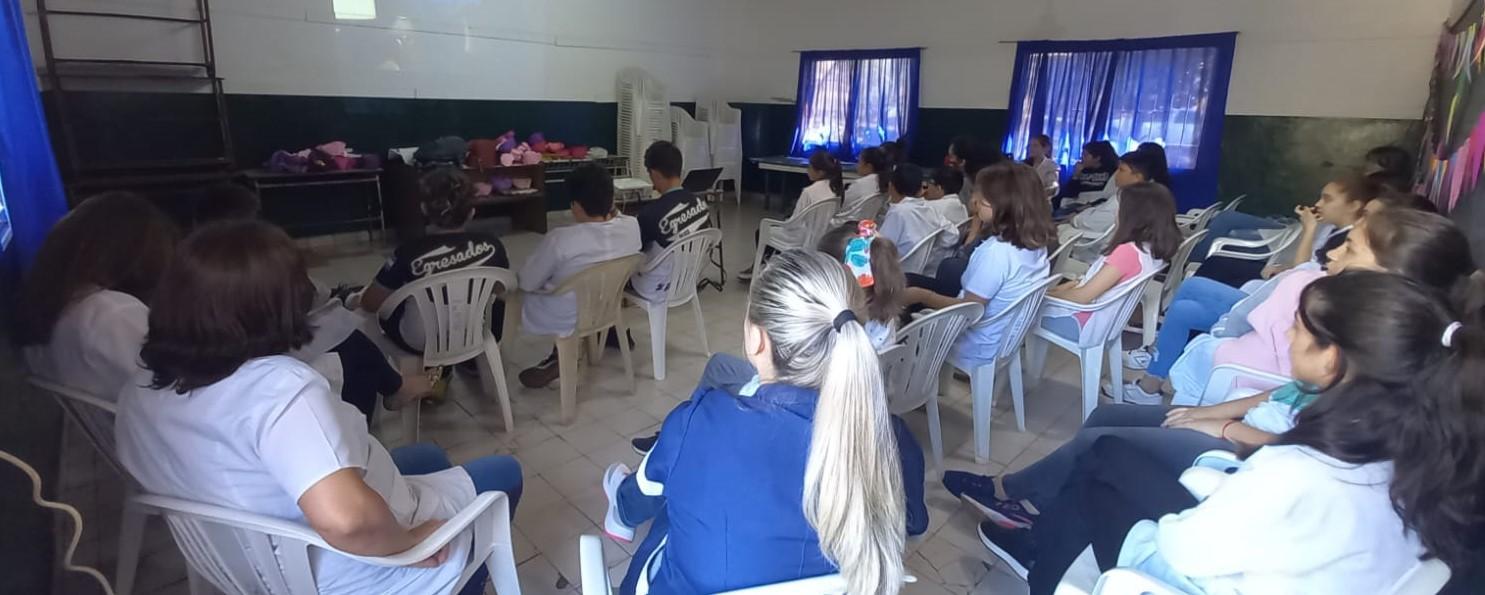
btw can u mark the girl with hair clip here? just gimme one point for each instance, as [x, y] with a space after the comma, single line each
[875, 170]
[875, 264]
[1145, 238]
[1383, 469]
[807, 475]
[1009, 235]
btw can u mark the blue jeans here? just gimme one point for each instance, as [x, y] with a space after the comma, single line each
[1197, 305]
[1230, 224]
[727, 372]
[490, 474]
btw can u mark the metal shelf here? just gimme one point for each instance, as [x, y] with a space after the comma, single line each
[121, 15]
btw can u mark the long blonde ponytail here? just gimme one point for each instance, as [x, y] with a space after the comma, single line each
[853, 494]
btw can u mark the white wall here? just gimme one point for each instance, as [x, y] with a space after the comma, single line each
[465, 49]
[1324, 58]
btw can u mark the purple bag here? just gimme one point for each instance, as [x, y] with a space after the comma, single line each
[285, 162]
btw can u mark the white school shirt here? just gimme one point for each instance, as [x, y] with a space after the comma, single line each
[258, 439]
[1100, 218]
[909, 221]
[1049, 172]
[1001, 273]
[94, 345]
[564, 252]
[951, 208]
[1291, 520]
[813, 194]
[857, 193]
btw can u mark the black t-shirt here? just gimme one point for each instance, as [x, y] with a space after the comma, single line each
[673, 215]
[1088, 180]
[1335, 240]
[433, 254]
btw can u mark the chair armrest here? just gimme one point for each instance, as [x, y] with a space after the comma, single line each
[1221, 460]
[1225, 376]
[1126, 581]
[592, 566]
[1074, 306]
[482, 505]
[1202, 481]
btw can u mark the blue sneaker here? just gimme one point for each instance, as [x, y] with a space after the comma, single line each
[979, 491]
[1012, 546]
[643, 445]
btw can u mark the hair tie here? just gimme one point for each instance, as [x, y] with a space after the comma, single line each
[858, 253]
[841, 319]
[1448, 338]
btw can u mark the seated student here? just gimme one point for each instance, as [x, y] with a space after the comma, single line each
[969, 155]
[878, 269]
[223, 416]
[942, 193]
[1335, 215]
[1039, 157]
[826, 183]
[83, 308]
[599, 234]
[1145, 238]
[1422, 246]
[909, 218]
[1382, 470]
[873, 167]
[674, 215]
[1324, 227]
[1134, 168]
[1159, 165]
[365, 376]
[1013, 224]
[810, 474]
[1093, 175]
[447, 202]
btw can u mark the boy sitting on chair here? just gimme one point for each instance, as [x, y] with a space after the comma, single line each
[676, 214]
[599, 235]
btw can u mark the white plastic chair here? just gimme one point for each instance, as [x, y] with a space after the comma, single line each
[1019, 318]
[1158, 293]
[600, 297]
[913, 370]
[1081, 243]
[1270, 245]
[811, 223]
[595, 579]
[689, 256]
[1102, 335]
[916, 259]
[95, 417]
[1226, 377]
[872, 207]
[244, 553]
[454, 308]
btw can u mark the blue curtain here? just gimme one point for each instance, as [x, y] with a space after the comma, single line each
[852, 100]
[1168, 90]
[31, 195]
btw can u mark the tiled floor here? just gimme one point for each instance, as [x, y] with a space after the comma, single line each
[563, 464]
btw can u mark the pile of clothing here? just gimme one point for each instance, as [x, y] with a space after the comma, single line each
[504, 150]
[331, 156]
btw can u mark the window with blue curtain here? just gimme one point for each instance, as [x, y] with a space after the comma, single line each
[1168, 90]
[4, 219]
[851, 100]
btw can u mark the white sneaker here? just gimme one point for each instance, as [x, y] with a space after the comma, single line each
[1135, 395]
[614, 527]
[1138, 359]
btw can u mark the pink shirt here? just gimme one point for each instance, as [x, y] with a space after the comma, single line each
[1266, 347]
[1126, 259]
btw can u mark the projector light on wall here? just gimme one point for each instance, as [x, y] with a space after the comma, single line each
[354, 10]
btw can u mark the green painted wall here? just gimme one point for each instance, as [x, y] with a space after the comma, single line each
[1279, 161]
[1282, 161]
